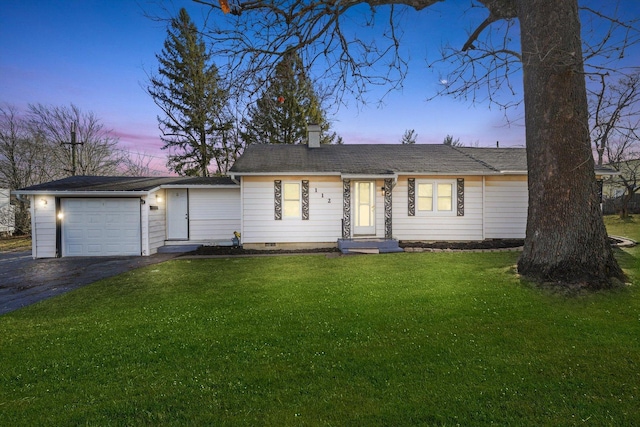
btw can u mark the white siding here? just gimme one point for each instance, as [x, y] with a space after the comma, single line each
[325, 212]
[156, 227]
[506, 201]
[214, 213]
[438, 226]
[43, 226]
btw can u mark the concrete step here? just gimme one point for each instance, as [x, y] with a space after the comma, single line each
[369, 246]
[177, 249]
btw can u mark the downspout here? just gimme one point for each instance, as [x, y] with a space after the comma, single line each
[239, 182]
[58, 228]
[484, 210]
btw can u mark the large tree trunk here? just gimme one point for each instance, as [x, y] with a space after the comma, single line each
[566, 239]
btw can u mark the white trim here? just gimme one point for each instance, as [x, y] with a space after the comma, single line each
[278, 173]
[73, 193]
[434, 197]
[113, 193]
[299, 214]
[484, 207]
[369, 176]
[208, 186]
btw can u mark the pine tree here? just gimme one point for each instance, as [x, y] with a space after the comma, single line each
[409, 137]
[448, 140]
[188, 92]
[285, 107]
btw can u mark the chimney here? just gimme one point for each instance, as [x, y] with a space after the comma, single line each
[313, 135]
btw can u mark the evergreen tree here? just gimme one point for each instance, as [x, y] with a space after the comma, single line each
[448, 140]
[285, 107]
[188, 92]
[409, 137]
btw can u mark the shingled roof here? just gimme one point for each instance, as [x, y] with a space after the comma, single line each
[123, 183]
[378, 159]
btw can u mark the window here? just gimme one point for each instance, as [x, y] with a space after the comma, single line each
[435, 196]
[445, 197]
[425, 197]
[291, 199]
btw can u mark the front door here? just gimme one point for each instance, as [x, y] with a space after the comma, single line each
[365, 208]
[177, 214]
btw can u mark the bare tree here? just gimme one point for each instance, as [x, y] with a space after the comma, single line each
[615, 115]
[138, 164]
[97, 152]
[24, 160]
[623, 154]
[566, 239]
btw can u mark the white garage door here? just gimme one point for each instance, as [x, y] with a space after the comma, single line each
[100, 227]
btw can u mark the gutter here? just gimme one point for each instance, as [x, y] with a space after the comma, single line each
[72, 193]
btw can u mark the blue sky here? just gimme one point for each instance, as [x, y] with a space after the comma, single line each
[96, 53]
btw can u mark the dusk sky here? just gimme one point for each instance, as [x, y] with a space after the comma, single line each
[96, 54]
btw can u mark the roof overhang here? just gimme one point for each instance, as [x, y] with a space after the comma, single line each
[276, 173]
[514, 172]
[232, 186]
[113, 193]
[393, 176]
[81, 193]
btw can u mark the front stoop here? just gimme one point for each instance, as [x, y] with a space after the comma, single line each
[177, 249]
[368, 246]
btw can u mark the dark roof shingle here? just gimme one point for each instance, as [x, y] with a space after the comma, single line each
[123, 183]
[378, 159]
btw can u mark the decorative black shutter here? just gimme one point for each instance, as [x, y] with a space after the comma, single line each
[460, 196]
[305, 200]
[277, 199]
[412, 197]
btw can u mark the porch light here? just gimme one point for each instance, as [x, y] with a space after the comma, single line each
[60, 216]
[158, 198]
[43, 202]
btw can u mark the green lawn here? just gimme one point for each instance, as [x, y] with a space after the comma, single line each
[400, 339]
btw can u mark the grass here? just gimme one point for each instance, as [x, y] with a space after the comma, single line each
[399, 339]
[14, 244]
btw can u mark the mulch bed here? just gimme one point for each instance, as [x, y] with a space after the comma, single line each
[486, 244]
[469, 246]
[493, 244]
[238, 250]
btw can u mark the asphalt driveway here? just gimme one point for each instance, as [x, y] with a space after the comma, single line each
[24, 280]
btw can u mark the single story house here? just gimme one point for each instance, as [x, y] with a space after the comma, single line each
[293, 197]
[101, 216]
[313, 196]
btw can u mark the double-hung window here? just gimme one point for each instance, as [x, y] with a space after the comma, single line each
[291, 200]
[435, 196]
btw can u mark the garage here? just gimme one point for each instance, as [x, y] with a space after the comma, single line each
[100, 226]
[126, 215]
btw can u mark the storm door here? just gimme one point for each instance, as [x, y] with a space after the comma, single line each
[365, 208]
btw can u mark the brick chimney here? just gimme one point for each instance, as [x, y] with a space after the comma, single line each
[313, 135]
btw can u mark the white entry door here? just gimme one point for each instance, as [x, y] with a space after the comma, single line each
[365, 208]
[177, 214]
